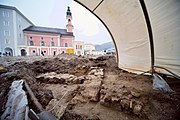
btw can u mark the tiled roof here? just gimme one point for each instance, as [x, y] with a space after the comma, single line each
[48, 30]
[14, 8]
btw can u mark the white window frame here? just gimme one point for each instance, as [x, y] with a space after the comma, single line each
[6, 41]
[6, 23]
[6, 33]
[5, 14]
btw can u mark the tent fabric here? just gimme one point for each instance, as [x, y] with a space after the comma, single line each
[165, 22]
[125, 21]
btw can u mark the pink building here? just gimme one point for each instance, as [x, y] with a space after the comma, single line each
[50, 41]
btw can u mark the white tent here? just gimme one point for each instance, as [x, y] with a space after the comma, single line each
[145, 32]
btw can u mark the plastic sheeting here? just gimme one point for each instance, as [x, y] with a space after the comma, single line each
[126, 22]
[160, 84]
[16, 106]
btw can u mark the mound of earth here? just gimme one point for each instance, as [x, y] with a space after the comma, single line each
[79, 88]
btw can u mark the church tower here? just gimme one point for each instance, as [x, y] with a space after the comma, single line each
[69, 26]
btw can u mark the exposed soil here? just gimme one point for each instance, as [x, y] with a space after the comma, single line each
[79, 88]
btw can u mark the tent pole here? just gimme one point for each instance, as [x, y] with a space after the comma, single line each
[148, 23]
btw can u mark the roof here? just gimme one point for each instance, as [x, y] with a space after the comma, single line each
[14, 8]
[48, 30]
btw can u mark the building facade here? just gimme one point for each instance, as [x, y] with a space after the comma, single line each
[12, 23]
[88, 48]
[79, 48]
[48, 41]
[20, 37]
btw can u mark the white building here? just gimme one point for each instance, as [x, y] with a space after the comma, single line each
[12, 23]
[78, 47]
[88, 48]
[96, 53]
[110, 51]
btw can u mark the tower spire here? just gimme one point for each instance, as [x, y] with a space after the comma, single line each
[69, 25]
[68, 11]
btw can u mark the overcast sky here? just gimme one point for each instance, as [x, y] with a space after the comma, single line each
[52, 13]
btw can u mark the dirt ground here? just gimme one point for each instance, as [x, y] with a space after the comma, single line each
[85, 88]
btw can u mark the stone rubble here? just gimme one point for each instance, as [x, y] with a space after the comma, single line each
[96, 89]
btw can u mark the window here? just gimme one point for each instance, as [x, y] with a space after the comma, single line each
[6, 33]
[52, 43]
[30, 38]
[19, 26]
[6, 23]
[42, 38]
[5, 14]
[42, 43]
[31, 43]
[79, 46]
[7, 41]
[66, 45]
[33, 51]
[44, 51]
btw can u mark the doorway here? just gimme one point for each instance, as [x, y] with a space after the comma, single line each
[23, 52]
[8, 52]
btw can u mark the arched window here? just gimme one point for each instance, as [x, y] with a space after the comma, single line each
[52, 43]
[66, 45]
[42, 43]
[31, 43]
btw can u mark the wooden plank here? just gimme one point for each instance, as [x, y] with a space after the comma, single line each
[32, 96]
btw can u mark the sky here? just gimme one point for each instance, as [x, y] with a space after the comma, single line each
[52, 13]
